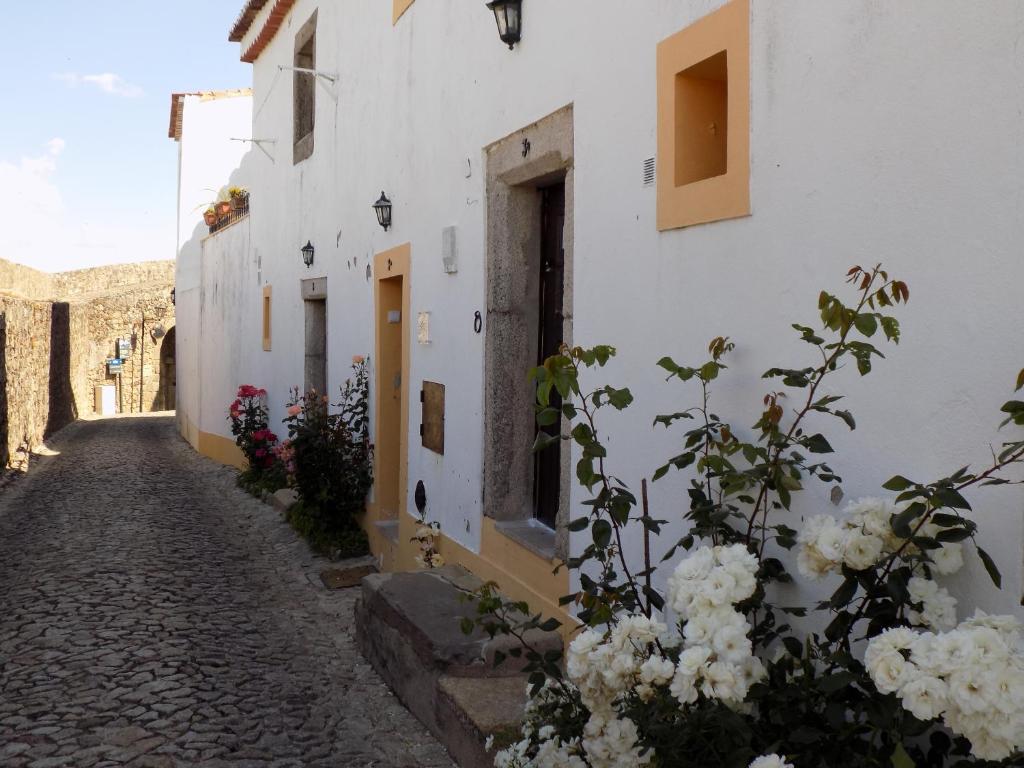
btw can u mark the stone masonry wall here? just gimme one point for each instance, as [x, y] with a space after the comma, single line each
[56, 334]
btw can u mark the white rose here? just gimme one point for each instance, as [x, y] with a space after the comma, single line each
[695, 567]
[925, 697]
[737, 555]
[889, 670]
[971, 693]
[719, 587]
[770, 761]
[948, 560]
[722, 681]
[657, 670]
[861, 551]
[831, 541]
[699, 630]
[684, 687]
[730, 643]
[811, 564]
[693, 661]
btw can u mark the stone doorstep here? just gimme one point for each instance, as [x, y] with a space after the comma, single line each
[348, 573]
[284, 499]
[407, 627]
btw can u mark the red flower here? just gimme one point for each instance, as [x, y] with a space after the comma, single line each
[249, 391]
[260, 435]
[260, 453]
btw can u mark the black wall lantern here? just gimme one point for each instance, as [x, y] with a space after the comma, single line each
[307, 254]
[383, 209]
[509, 15]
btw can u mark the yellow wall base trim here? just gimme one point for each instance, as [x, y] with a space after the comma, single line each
[212, 446]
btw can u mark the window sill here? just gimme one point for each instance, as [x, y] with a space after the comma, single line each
[532, 535]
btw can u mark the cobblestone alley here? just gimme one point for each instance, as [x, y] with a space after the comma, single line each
[153, 615]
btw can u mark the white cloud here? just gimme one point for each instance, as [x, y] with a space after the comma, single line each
[107, 82]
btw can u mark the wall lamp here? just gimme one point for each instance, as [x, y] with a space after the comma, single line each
[383, 209]
[307, 254]
[509, 15]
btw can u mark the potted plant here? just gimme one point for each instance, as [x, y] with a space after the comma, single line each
[239, 197]
[210, 216]
[223, 208]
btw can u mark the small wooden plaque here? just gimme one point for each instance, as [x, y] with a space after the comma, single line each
[432, 424]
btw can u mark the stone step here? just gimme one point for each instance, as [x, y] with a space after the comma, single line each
[407, 626]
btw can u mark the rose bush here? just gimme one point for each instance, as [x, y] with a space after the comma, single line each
[249, 424]
[711, 672]
[329, 456]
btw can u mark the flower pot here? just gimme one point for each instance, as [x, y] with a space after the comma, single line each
[239, 202]
[210, 217]
[223, 208]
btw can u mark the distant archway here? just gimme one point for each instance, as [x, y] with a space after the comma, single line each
[167, 394]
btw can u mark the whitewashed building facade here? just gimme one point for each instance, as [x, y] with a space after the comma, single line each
[688, 169]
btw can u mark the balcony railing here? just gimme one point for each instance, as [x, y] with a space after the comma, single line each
[237, 212]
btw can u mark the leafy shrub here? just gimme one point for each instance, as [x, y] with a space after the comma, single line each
[249, 424]
[330, 458]
[711, 672]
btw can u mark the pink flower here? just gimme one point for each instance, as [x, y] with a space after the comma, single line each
[295, 410]
[358, 359]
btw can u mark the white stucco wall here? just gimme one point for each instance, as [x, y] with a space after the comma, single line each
[879, 132]
[207, 160]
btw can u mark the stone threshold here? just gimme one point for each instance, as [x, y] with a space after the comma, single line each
[408, 628]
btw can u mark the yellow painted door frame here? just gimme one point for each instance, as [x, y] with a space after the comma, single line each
[391, 459]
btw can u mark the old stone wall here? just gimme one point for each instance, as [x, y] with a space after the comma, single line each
[56, 335]
[100, 280]
[25, 282]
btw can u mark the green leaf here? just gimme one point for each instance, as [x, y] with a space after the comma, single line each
[900, 758]
[950, 497]
[900, 523]
[817, 444]
[897, 483]
[990, 567]
[953, 535]
[1020, 380]
[836, 681]
[866, 324]
[848, 418]
[601, 530]
[579, 524]
[844, 594]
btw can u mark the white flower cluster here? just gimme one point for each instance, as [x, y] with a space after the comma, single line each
[426, 535]
[717, 658]
[609, 741]
[938, 607]
[606, 668]
[770, 761]
[971, 677]
[861, 539]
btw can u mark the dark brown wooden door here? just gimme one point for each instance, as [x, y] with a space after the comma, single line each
[548, 463]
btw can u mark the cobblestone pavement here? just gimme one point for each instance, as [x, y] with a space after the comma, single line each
[153, 615]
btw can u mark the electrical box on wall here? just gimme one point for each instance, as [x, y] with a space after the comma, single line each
[449, 250]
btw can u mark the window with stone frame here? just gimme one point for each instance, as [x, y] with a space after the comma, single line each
[304, 90]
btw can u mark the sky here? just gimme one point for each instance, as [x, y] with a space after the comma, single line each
[88, 175]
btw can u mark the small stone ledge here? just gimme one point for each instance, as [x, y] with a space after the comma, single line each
[284, 499]
[533, 535]
[407, 627]
[348, 573]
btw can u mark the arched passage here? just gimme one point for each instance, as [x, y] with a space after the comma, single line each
[166, 395]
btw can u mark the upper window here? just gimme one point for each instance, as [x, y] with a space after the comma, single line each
[304, 90]
[704, 120]
[398, 7]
